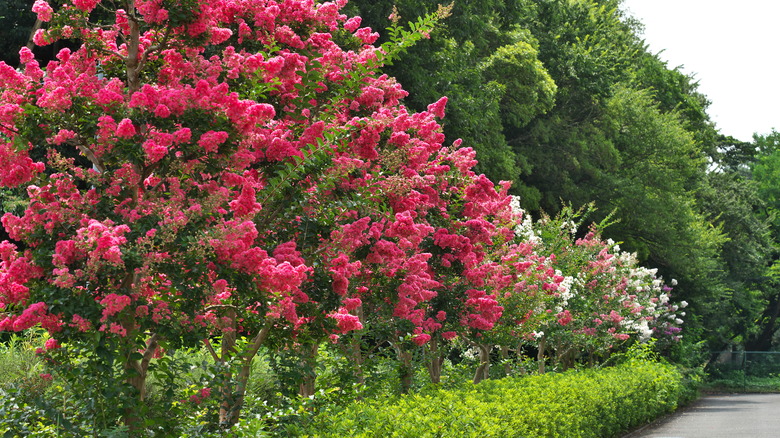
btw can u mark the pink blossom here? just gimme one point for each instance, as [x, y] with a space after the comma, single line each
[43, 9]
[449, 335]
[118, 329]
[41, 38]
[154, 150]
[65, 253]
[345, 321]
[34, 314]
[246, 203]
[51, 344]
[202, 394]
[421, 339]
[351, 304]
[352, 24]
[80, 323]
[220, 35]
[62, 136]
[564, 317]
[366, 36]
[437, 108]
[85, 5]
[162, 111]
[614, 317]
[16, 167]
[288, 252]
[114, 304]
[211, 140]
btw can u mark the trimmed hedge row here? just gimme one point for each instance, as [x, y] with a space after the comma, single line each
[579, 403]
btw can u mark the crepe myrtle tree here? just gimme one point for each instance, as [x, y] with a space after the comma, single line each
[437, 256]
[187, 175]
[601, 297]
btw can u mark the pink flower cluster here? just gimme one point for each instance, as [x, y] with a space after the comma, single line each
[233, 189]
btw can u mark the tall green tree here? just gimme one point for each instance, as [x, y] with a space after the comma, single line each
[624, 130]
[731, 201]
[16, 22]
[484, 62]
[762, 158]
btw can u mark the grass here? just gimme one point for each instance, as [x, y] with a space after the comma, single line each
[742, 383]
[18, 361]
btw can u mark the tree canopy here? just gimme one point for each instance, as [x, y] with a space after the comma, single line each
[608, 122]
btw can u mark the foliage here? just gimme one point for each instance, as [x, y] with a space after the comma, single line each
[239, 179]
[487, 66]
[604, 296]
[587, 403]
[18, 359]
[16, 20]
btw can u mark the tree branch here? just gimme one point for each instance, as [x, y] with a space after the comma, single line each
[38, 24]
[97, 162]
[214, 354]
[151, 347]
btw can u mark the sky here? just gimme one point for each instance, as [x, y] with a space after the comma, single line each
[731, 47]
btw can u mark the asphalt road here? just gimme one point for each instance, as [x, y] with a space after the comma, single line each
[722, 415]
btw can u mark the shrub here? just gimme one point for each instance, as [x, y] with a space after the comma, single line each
[577, 403]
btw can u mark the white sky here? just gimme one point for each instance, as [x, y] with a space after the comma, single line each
[731, 47]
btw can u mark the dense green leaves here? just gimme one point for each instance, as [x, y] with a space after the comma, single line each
[593, 403]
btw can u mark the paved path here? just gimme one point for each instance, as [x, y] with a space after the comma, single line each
[723, 415]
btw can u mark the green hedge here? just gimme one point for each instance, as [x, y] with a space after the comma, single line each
[580, 403]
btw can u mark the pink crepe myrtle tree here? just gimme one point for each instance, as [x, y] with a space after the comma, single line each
[426, 253]
[188, 170]
[468, 222]
[526, 303]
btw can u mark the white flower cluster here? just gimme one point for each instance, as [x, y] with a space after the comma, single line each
[571, 226]
[641, 327]
[627, 258]
[471, 354]
[566, 288]
[524, 230]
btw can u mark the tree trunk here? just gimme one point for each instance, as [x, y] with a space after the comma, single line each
[768, 324]
[356, 345]
[38, 25]
[136, 371]
[227, 349]
[483, 370]
[505, 359]
[520, 355]
[566, 358]
[356, 353]
[540, 354]
[132, 61]
[435, 361]
[235, 390]
[308, 370]
[405, 368]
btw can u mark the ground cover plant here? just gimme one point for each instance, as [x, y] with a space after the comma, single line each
[197, 183]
